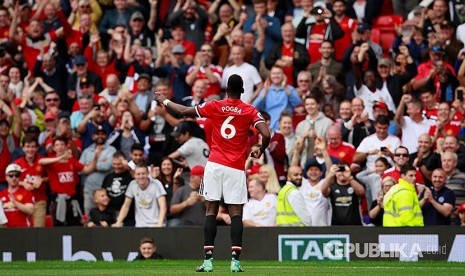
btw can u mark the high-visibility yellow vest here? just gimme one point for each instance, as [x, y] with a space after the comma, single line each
[401, 206]
[285, 215]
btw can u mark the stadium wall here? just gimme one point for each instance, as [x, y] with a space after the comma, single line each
[316, 243]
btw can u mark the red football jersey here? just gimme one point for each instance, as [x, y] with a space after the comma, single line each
[212, 88]
[63, 177]
[15, 217]
[32, 172]
[344, 152]
[231, 120]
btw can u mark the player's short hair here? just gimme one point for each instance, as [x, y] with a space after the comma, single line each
[235, 85]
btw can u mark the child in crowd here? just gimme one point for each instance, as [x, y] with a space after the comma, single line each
[461, 211]
[101, 215]
[148, 250]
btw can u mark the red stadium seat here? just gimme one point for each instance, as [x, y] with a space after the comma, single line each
[387, 8]
[384, 31]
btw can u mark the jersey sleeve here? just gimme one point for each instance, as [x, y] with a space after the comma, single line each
[205, 110]
[257, 118]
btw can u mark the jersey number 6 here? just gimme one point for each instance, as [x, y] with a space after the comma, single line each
[227, 127]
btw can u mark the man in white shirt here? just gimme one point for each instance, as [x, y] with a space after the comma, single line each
[317, 204]
[376, 145]
[413, 125]
[260, 210]
[248, 72]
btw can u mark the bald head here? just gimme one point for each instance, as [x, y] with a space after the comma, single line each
[334, 136]
[294, 175]
[113, 84]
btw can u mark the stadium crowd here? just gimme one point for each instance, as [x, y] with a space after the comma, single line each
[366, 130]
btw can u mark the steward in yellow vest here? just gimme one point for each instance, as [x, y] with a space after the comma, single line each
[401, 205]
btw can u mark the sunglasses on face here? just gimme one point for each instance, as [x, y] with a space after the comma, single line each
[13, 175]
[52, 100]
[401, 155]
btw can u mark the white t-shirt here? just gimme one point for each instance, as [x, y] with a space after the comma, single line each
[250, 77]
[369, 98]
[318, 205]
[196, 152]
[411, 131]
[372, 142]
[146, 202]
[262, 212]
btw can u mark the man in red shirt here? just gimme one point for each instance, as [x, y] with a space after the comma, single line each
[444, 125]
[32, 179]
[348, 26]
[338, 148]
[63, 170]
[401, 157]
[17, 201]
[224, 173]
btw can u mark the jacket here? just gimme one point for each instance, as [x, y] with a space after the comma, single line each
[401, 206]
[285, 215]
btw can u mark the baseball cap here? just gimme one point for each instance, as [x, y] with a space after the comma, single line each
[181, 128]
[461, 207]
[137, 15]
[316, 11]
[49, 116]
[437, 49]
[235, 83]
[384, 62]
[361, 28]
[80, 60]
[380, 105]
[13, 168]
[197, 171]
[312, 162]
[178, 49]
[144, 76]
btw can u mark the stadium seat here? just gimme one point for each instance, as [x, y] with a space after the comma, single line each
[387, 8]
[384, 31]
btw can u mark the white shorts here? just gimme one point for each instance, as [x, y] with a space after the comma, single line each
[223, 182]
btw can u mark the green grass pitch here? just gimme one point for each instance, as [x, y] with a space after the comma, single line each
[187, 267]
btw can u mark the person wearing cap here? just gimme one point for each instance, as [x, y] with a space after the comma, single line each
[192, 18]
[171, 64]
[317, 204]
[251, 78]
[317, 25]
[144, 96]
[438, 202]
[461, 214]
[225, 171]
[140, 30]
[449, 41]
[194, 150]
[18, 203]
[81, 73]
[365, 85]
[204, 69]
[291, 210]
[344, 192]
[364, 35]
[186, 201]
[260, 210]
[413, 125]
[33, 178]
[428, 71]
[104, 153]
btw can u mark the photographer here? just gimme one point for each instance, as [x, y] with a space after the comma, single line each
[344, 192]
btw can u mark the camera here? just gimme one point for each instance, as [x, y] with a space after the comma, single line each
[383, 148]
[460, 94]
[342, 168]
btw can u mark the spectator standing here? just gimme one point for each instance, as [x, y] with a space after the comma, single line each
[377, 208]
[437, 203]
[149, 200]
[186, 201]
[401, 206]
[116, 184]
[17, 202]
[344, 192]
[260, 210]
[291, 209]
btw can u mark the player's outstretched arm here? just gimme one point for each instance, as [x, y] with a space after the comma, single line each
[177, 108]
